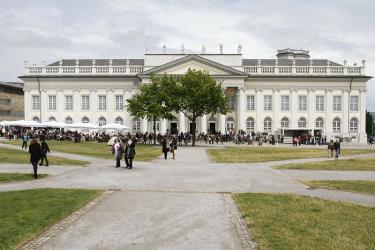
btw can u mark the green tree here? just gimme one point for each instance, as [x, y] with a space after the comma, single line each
[369, 123]
[198, 94]
[153, 101]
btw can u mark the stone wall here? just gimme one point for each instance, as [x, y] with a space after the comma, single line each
[11, 103]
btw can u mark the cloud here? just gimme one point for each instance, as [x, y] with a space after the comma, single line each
[52, 29]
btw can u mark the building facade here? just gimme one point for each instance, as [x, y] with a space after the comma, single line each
[11, 101]
[291, 91]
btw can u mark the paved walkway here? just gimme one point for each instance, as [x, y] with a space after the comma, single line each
[173, 204]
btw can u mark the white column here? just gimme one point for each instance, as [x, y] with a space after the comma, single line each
[27, 105]
[181, 122]
[310, 108]
[127, 117]
[276, 110]
[43, 106]
[328, 111]
[293, 109]
[110, 106]
[204, 124]
[241, 109]
[259, 111]
[362, 121]
[60, 103]
[93, 106]
[345, 110]
[222, 124]
[144, 125]
[163, 126]
[76, 105]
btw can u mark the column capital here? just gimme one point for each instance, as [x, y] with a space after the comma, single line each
[93, 90]
[362, 90]
[60, 91]
[276, 90]
[76, 90]
[258, 90]
[293, 90]
[311, 90]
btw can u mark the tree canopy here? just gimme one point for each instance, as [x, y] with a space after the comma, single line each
[194, 93]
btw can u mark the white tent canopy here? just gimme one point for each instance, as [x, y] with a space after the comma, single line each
[115, 126]
[82, 125]
[54, 124]
[23, 123]
[4, 123]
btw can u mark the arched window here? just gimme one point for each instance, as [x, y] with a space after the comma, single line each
[119, 120]
[52, 119]
[353, 125]
[85, 120]
[68, 120]
[136, 124]
[336, 125]
[319, 123]
[230, 123]
[285, 123]
[267, 125]
[36, 119]
[250, 125]
[102, 121]
[302, 122]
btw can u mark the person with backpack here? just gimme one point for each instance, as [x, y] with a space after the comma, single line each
[25, 139]
[44, 148]
[336, 146]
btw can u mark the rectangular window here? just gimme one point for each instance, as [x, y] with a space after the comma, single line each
[119, 102]
[85, 102]
[354, 100]
[52, 102]
[5, 101]
[285, 102]
[35, 102]
[230, 102]
[268, 102]
[69, 102]
[336, 103]
[250, 102]
[302, 103]
[102, 102]
[319, 103]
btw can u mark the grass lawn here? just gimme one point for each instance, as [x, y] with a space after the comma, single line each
[298, 222]
[95, 149]
[24, 214]
[23, 157]
[14, 177]
[261, 154]
[366, 187]
[367, 164]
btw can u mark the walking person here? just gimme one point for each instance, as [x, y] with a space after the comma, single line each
[164, 148]
[129, 153]
[173, 147]
[25, 139]
[336, 146]
[44, 147]
[35, 154]
[330, 149]
[117, 150]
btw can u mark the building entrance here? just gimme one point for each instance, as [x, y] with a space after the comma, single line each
[212, 128]
[174, 128]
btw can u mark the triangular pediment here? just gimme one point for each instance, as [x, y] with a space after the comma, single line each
[194, 62]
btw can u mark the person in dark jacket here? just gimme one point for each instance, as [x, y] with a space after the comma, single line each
[35, 154]
[44, 147]
[173, 147]
[164, 148]
[129, 153]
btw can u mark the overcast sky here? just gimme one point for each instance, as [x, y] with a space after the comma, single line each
[54, 29]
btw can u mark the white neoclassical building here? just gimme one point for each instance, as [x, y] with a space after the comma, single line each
[290, 92]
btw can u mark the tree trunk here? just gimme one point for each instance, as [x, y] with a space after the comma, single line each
[194, 129]
[154, 130]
